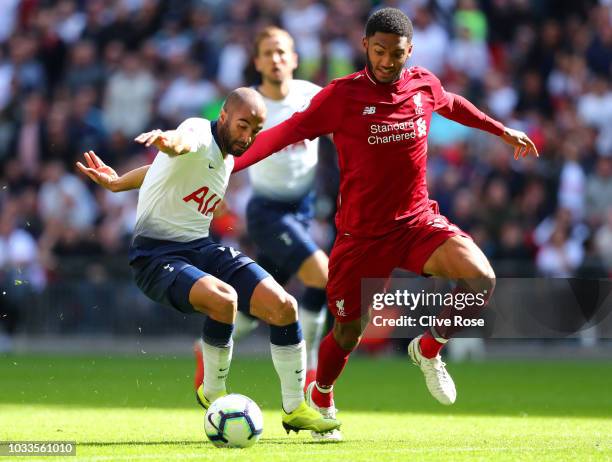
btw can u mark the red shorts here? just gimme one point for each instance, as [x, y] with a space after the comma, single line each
[353, 259]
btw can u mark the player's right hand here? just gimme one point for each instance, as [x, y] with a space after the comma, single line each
[98, 171]
[169, 142]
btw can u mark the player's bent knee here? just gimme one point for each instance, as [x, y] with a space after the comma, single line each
[215, 298]
[284, 311]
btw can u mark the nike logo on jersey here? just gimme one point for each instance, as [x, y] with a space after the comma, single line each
[169, 268]
[211, 166]
[300, 371]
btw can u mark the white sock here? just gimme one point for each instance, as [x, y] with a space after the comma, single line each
[312, 329]
[243, 326]
[216, 368]
[290, 364]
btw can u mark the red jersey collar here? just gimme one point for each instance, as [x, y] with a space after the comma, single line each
[392, 85]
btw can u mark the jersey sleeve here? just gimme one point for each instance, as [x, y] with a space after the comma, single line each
[322, 115]
[440, 95]
[462, 111]
[197, 134]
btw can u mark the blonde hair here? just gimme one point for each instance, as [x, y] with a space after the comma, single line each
[268, 32]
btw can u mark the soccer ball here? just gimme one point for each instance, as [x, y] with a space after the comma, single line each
[233, 421]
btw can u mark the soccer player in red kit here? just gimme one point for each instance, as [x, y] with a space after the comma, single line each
[380, 118]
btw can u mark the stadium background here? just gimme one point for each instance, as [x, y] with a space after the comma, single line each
[80, 75]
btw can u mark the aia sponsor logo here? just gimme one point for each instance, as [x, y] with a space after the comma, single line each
[207, 203]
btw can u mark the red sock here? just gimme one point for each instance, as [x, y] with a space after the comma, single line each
[311, 375]
[332, 359]
[429, 346]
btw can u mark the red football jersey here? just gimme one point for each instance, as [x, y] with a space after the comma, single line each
[380, 132]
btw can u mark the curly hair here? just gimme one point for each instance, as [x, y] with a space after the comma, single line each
[389, 21]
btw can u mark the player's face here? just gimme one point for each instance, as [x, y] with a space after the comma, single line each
[276, 59]
[238, 129]
[386, 55]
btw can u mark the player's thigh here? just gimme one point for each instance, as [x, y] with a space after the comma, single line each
[272, 304]
[283, 240]
[458, 257]
[314, 270]
[171, 280]
[358, 268]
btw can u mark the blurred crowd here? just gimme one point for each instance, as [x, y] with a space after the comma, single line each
[79, 75]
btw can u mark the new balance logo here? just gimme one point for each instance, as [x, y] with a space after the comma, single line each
[340, 307]
[369, 110]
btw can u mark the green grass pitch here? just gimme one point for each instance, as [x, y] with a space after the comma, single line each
[142, 408]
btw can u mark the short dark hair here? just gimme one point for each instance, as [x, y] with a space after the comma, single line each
[389, 21]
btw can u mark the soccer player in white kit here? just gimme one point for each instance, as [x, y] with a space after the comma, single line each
[282, 206]
[175, 262]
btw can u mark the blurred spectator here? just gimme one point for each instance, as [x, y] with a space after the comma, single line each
[28, 141]
[8, 18]
[63, 198]
[603, 240]
[71, 22]
[572, 180]
[430, 42]
[233, 59]
[187, 94]
[599, 191]
[469, 55]
[595, 110]
[560, 256]
[304, 20]
[85, 71]
[128, 101]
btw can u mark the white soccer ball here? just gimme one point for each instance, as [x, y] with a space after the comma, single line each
[233, 421]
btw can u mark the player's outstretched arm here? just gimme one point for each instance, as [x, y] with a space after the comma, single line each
[460, 110]
[322, 116]
[170, 142]
[106, 177]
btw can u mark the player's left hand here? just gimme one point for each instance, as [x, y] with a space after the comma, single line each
[521, 142]
[169, 142]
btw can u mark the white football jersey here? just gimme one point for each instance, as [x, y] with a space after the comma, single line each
[179, 194]
[288, 174]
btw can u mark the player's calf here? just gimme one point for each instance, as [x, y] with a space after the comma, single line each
[219, 301]
[273, 305]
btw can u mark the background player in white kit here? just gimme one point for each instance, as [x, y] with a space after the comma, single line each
[175, 262]
[281, 209]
